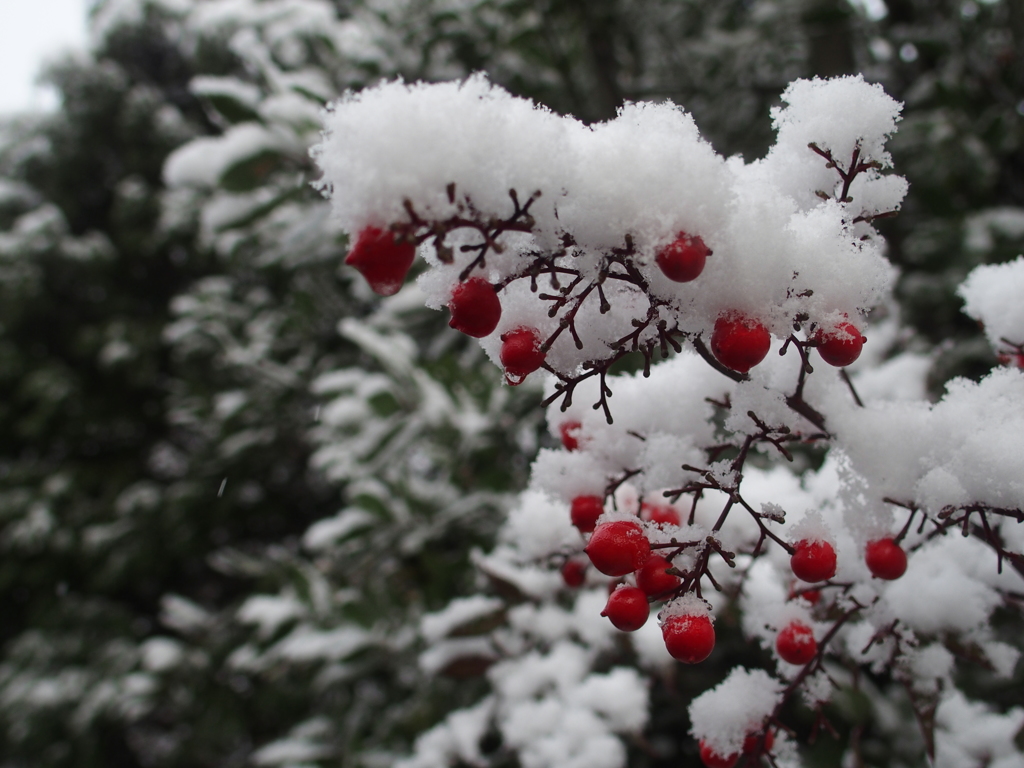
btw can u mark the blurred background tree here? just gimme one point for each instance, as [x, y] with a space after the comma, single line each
[232, 481]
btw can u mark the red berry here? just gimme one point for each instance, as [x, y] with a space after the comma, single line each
[652, 579]
[570, 432]
[659, 513]
[520, 352]
[813, 560]
[840, 347]
[796, 643]
[1015, 359]
[812, 596]
[739, 342]
[753, 741]
[689, 638]
[585, 511]
[886, 559]
[682, 260]
[382, 260]
[475, 308]
[574, 573]
[712, 759]
[618, 547]
[627, 609]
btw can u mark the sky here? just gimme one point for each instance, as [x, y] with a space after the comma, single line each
[30, 32]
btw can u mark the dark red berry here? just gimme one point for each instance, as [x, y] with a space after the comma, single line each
[813, 560]
[1015, 359]
[652, 578]
[812, 596]
[682, 260]
[475, 308]
[570, 432]
[739, 342]
[689, 638]
[382, 260]
[886, 559]
[712, 759]
[840, 347]
[574, 573]
[753, 742]
[627, 609]
[584, 512]
[661, 514]
[618, 547]
[520, 352]
[796, 643]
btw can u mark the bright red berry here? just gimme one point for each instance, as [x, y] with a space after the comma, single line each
[739, 342]
[652, 578]
[382, 260]
[682, 260]
[689, 638]
[570, 432]
[712, 759]
[661, 514]
[574, 573]
[627, 609]
[584, 512]
[520, 352]
[795, 643]
[886, 559]
[475, 308]
[813, 560]
[840, 347]
[618, 547]
[753, 741]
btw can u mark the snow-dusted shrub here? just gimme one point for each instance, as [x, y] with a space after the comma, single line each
[740, 451]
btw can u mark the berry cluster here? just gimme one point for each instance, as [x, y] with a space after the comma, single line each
[738, 341]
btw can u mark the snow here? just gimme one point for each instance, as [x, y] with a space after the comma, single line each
[204, 161]
[723, 716]
[458, 613]
[991, 295]
[270, 612]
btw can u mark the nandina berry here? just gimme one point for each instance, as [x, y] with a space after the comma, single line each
[712, 759]
[840, 347]
[886, 559]
[753, 741]
[382, 260]
[682, 260]
[584, 512]
[627, 609]
[739, 342]
[618, 547]
[812, 596]
[1015, 359]
[570, 432]
[795, 643]
[689, 638]
[652, 578]
[574, 573]
[475, 308]
[661, 514]
[813, 560]
[520, 352]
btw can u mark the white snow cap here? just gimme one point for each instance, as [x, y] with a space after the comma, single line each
[405, 154]
[725, 715]
[992, 295]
